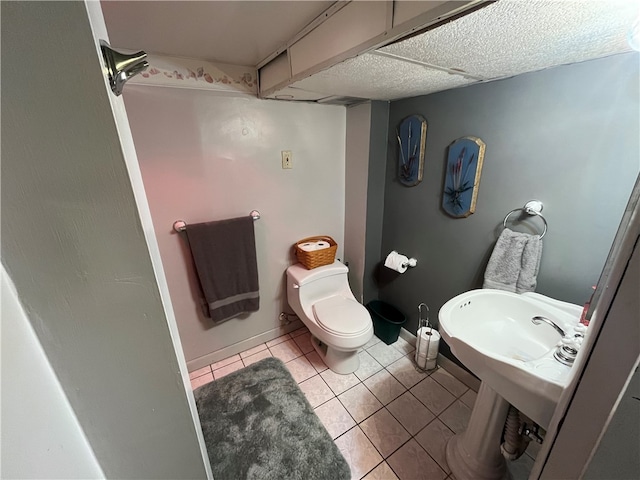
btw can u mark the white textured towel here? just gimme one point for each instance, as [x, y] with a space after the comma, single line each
[514, 263]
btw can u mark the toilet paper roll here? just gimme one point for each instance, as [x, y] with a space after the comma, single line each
[320, 245]
[308, 246]
[427, 343]
[397, 262]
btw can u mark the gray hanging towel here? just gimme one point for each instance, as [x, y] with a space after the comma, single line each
[514, 262]
[224, 253]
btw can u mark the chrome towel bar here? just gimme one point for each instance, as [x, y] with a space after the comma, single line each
[181, 225]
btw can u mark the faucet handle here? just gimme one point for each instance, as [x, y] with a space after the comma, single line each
[566, 354]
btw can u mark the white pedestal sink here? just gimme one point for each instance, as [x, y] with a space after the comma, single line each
[475, 454]
[491, 333]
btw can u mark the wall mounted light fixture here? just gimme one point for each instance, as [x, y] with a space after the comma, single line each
[122, 66]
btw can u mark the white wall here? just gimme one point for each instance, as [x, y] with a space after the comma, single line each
[41, 437]
[205, 157]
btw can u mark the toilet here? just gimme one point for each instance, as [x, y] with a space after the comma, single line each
[339, 325]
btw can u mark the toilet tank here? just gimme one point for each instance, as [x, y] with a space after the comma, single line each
[318, 283]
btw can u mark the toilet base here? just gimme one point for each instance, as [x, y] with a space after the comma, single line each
[337, 360]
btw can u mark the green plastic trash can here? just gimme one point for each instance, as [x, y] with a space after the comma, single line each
[387, 320]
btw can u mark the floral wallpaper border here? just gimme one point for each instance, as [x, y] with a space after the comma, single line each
[192, 73]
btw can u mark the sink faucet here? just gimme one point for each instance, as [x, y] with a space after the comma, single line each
[537, 319]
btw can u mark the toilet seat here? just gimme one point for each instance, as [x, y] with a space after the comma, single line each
[341, 316]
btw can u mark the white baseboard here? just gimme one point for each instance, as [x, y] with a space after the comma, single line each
[242, 345]
[454, 369]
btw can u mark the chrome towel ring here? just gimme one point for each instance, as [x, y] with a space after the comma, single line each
[533, 207]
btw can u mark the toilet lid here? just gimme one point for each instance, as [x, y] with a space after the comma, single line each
[341, 315]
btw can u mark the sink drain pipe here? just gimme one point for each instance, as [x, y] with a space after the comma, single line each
[514, 443]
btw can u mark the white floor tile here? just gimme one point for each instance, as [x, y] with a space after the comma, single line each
[359, 453]
[433, 395]
[469, 398]
[384, 386]
[201, 380]
[225, 362]
[316, 391]
[299, 331]
[372, 342]
[300, 369]
[448, 381]
[339, 383]
[359, 402]
[368, 366]
[406, 373]
[286, 351]
[456, 416]
[410, 412]
[411, 462]
[280, 339]
[226, 370]
[381, 472]
[384, 354]
[403, 346]
[385, 432]
[304, 342]
[256, 357]
[316, 361]
[200, 372]
[334, 417]
[433, 438]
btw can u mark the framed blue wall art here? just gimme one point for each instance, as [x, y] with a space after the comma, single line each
[411, 136]
[462, 179]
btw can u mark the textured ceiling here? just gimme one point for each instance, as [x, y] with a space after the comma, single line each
[504, 39]
[380, 78]
[511, 37]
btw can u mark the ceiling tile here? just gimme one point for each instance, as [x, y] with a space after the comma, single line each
[510, 37]
[380, 78]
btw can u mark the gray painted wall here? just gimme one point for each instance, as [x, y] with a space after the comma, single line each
[617, 455]
[73, 244]
[357, 171]
[375, 197]
[567, 136]
[366, 157]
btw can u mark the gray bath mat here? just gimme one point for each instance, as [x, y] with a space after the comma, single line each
[257, 424]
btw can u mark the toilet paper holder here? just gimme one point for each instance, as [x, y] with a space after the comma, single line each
[411, 263]
[430, 354]
[398, 262]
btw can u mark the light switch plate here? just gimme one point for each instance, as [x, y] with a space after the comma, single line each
[287, 159]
